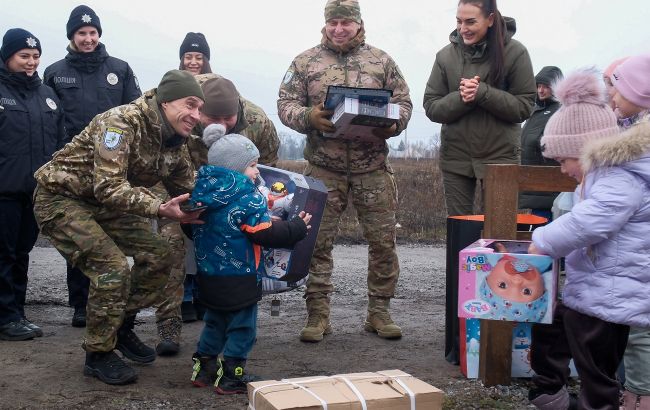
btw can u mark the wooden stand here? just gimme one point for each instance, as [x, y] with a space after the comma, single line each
[502, 185]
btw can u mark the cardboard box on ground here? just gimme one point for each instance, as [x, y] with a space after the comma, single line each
[388, 389]
[357, 111]
[289, 193]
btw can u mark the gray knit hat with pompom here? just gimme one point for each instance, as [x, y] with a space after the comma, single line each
[232, 151]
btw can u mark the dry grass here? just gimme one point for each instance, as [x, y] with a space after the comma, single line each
[421, 215]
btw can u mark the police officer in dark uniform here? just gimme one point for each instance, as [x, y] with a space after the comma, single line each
[32, 129]
[88, 81]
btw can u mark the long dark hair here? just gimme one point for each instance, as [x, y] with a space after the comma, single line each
[206, 69]
[495, 39]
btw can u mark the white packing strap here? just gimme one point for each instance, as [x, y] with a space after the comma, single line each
[355, 390]
[323, 403]
[284, 382]
[346, 380]
[404, 386]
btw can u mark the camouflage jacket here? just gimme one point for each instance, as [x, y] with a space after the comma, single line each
[253, 123]
[118, 156]
[356, 65]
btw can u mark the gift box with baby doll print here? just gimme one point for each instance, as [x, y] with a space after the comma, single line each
[499, 280]
[287, 194]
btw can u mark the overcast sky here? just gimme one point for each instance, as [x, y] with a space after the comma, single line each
[253, 42]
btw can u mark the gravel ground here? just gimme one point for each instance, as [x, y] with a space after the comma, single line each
[47, 372]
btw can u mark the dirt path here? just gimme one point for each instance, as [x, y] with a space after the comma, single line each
[47, 372]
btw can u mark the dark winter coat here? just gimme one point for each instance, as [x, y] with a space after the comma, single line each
[31, 130]
[89, 84]
[229, 245]
[531, 152]
[486, 130]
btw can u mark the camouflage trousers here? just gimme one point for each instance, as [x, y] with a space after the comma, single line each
[168, 306]
[374, 196]
[97, 241]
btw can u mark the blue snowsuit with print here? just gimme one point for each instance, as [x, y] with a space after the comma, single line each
[228, 252]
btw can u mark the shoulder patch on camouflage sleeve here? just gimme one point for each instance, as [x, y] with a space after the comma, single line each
[287, 76]
[112, 138]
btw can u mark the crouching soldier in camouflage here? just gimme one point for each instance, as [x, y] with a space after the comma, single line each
[359, 169]
[223, 105]
[94, 204]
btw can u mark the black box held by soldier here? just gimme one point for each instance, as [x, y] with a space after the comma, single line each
[287, 194]
[358, 110]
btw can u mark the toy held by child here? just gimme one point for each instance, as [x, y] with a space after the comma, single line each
[605, 241]
[228, 250]
[278, 199]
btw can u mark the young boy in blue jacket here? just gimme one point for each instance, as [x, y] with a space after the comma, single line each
[228, 249]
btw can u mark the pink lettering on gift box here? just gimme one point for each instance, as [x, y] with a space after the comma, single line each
[476, 307]
[476, 263]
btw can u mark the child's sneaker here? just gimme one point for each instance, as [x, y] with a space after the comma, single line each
[231, 378]
[205, 370]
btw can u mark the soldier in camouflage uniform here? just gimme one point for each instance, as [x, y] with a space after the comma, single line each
[93, 202]
[249, 120]
[239, 116]
[359, 169]
[168, 307]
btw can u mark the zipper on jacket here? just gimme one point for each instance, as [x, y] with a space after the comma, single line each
[344, 63]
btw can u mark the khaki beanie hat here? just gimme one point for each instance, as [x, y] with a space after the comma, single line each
[343, 9]
[177, 84]
[221, 98]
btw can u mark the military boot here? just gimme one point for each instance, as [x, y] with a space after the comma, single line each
[38, 332]
[169, 334]
[109, 368]
[130, 344]
[379, 321]
[205, 370]
[79, 316]
[318, 320]
[16, 331]
[231, 378]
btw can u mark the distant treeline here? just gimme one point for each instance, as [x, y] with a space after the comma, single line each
[421, 215]
[292, 146]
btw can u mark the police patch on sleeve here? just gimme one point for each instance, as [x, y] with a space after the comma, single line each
[287, 76]
[112, 138]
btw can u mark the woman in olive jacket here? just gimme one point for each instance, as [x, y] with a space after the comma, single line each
[31, 130]
[481, 88]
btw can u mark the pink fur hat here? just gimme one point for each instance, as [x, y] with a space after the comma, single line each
[583, 116]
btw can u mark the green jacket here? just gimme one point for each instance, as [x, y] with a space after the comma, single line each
[118, 157]
[486, 130]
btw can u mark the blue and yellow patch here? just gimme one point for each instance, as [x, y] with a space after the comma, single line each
[112, 138]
